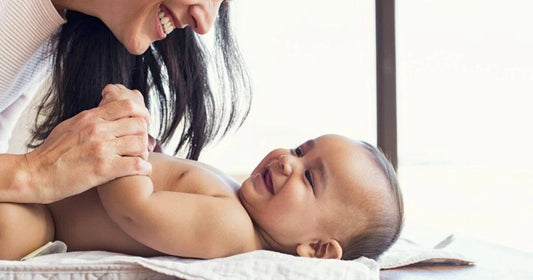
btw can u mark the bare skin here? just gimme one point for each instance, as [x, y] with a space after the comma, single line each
[87, 145]
[296, 201]
[82, 222]
[89, 149]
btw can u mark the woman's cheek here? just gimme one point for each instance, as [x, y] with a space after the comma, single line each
[134, 35]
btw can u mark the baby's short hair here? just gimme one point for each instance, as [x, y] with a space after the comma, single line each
[384, 226]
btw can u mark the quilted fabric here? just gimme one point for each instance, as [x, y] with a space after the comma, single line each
[253, 265]
[406, 252]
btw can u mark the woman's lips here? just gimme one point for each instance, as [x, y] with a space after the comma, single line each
[159, 29]
[175, 20]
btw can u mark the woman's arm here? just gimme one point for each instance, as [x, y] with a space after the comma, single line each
[14, 180]
[175, 223]
[89, 149]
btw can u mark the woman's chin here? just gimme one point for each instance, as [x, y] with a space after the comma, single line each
[138, 49]
[137, 46]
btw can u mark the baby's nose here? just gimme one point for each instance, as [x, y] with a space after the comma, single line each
[284, 162]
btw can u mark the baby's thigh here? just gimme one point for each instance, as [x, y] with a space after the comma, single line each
[23, 228]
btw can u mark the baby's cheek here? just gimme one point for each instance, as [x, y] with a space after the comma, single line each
[295, 195]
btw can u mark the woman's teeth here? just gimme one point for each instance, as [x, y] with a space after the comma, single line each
[165, 22]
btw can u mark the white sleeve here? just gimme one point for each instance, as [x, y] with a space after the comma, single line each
[24, 26]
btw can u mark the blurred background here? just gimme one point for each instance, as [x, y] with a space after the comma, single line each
[465, 105]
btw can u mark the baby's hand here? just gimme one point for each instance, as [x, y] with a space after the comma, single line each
[154, 145]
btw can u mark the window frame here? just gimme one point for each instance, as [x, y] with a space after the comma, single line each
[387, 133]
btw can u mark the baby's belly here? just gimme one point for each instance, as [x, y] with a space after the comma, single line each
[82, 223]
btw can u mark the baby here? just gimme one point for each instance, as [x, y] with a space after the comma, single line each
[330, 197]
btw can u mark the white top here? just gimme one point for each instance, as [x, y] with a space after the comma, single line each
[24, 27]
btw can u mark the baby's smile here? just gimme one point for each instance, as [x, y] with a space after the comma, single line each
[267, 178]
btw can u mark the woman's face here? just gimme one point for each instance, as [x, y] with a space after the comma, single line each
[138, 23]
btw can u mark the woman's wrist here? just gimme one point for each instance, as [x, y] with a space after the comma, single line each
[16, 176]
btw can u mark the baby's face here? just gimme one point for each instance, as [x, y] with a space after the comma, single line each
[304, 194]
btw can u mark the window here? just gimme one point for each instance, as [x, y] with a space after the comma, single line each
[465, 72]
[312, 65]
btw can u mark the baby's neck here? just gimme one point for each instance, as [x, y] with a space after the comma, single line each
[266, 242]
[263, 239]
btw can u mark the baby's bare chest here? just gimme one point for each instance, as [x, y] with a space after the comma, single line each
[191, 177]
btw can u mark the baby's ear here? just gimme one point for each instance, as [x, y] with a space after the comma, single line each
[328, 249]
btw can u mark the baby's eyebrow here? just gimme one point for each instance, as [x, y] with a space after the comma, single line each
[309, 144]
[323, 173]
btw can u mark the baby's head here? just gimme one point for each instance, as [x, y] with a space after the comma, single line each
[331, 197]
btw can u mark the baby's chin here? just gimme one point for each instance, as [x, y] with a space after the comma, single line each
[245, 182]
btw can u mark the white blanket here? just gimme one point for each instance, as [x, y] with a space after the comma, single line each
[253, 265]
[407, 252]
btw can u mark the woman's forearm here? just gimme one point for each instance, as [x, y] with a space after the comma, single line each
[15, 180]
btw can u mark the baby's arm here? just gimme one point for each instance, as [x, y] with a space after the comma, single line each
[175, 223]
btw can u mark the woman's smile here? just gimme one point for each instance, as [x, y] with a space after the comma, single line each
[166, 22]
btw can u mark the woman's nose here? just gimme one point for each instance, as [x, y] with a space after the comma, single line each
[204, 15]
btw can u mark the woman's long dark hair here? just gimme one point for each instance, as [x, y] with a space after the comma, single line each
[172, 75]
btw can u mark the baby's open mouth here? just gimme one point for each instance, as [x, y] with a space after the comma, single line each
[268, 181]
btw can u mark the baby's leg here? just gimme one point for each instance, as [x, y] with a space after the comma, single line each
[23, 228]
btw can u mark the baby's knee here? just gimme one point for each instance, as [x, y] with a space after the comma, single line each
[23, 228]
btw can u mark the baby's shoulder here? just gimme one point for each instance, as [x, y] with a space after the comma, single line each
[182, 175]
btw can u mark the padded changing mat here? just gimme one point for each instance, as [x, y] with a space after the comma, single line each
[253, 265]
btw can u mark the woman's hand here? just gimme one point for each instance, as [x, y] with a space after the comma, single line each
[93, 147]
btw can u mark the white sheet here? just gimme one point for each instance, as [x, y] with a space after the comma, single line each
[253, 265]
[406, 252]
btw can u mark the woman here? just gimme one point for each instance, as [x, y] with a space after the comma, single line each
[110, 59]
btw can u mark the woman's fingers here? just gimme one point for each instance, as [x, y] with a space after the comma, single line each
[80, 154]
[115, 92]
[132, 146]
[125, 109]
[127, 166]
[94, 147]
[122, 109]
[112, 92]
[128, 126]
